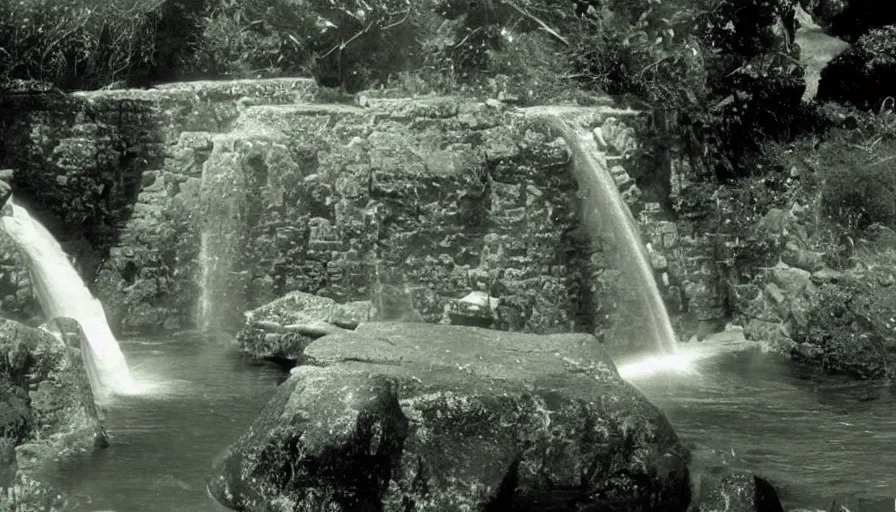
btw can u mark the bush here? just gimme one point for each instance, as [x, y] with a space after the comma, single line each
[862, 76]
[861, 192]
[854, 173]
[28, 495]
[851, 19]
[852, 321]
[348, 43]
[87, 44]
[729, 69]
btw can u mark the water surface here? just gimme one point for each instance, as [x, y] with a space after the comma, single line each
[814, 437]
[202, 396]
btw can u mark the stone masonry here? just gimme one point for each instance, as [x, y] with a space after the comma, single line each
[410, 203]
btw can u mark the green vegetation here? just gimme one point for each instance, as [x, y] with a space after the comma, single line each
[852, 320]
[727, 63]
[861, 75]
[75, 44]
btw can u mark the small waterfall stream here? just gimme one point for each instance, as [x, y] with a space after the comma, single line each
[62, 293]
[615, 219]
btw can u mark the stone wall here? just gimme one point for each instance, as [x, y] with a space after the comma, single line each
[689, 254]
[252, 189]
[413, 203]
[111, 172]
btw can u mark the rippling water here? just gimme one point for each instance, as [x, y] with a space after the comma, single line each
[201, 397]
[814, 437]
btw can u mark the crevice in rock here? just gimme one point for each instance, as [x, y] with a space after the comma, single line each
[504, 498]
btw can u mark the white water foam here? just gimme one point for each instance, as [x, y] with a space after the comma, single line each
[686, 360]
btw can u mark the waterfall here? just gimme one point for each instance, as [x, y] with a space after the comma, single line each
[61, 293]
[607, 206]
[205, 289]
[223, 234]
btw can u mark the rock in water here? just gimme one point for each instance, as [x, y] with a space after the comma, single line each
[860, 503]
[46, 406]
[419, 417]
[280, 330]
[737, 491]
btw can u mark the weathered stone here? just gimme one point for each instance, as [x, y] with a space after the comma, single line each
[475, 309]
[281, 329]
[426, 198]
[801, 258]
[735, 491]
[827, 275]
[351, 314]
[47, 410]
[435, 418]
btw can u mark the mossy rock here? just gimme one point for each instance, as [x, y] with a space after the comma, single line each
[399, 417]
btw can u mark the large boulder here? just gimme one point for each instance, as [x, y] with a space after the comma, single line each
[863, 74]
[418, 417]
[47, 410]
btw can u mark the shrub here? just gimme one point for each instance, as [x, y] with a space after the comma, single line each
[28, 495]
[854, 173]
[862, 75]
[728, 67]
[349, 43]
[861, 191]
[88, 44]
[850, 20]
[853, 321]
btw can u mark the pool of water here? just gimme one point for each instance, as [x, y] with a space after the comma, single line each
[814, 437]
[201, 396]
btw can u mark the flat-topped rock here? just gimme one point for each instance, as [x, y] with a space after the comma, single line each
[419, 417]
[282, 89]
[280, 330]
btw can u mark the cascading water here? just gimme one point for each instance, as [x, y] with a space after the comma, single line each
[223, 233]
[205, 289]
[61, 293]
[608, 207]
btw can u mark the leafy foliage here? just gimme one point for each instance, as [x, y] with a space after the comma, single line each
[350, 43]
[850, 20]
[861, 75]
[855, 177]
[28, 495]
[75, 44]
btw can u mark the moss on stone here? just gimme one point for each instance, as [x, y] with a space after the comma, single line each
[421, 417]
